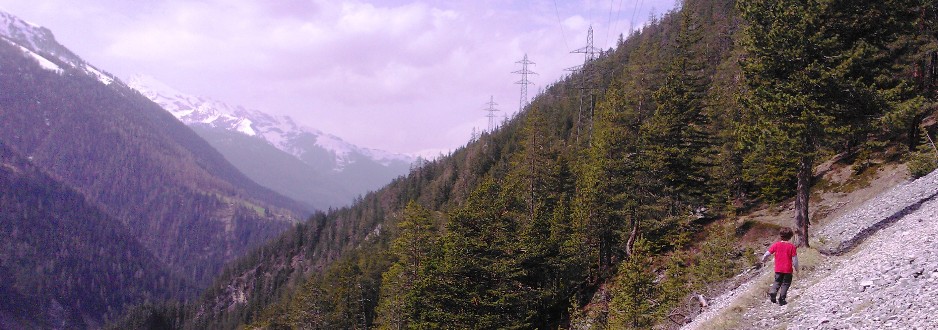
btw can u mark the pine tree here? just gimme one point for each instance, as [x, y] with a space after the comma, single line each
[482, 280]
[403, 286]
[676, 137]
[814, 69]
[634, 302]
[541, 179]
[610, 194]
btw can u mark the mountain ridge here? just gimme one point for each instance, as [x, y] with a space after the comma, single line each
[177, 195]
[306, 164]
[280, 131]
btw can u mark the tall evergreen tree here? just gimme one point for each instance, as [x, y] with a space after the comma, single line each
[814, 69]
[482, 280]
[403, 287]
[610, 193]
[634, 304]
[676, 137]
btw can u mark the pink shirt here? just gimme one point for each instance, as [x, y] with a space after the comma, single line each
[784, 252]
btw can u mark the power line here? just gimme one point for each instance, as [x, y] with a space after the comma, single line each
[524, 82]
[634, 11]
[618, 15]
[559, 22]
[612, 4]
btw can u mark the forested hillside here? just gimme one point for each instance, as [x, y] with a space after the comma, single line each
[172, 191]
[611, 197]
[64, 263]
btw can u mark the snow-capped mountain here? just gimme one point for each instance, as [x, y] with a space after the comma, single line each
[308, 165]
[280, 131]
[39, 43]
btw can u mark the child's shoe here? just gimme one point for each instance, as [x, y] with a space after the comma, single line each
[772, 297]
[781, 302]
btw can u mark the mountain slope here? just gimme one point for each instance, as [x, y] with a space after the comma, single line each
[273, 168]
[884, 281]
[302, 279]
[338, 170]
[172, 190]
[568, 216]
[64, 263]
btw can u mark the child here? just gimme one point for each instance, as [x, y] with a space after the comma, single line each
[786, 262]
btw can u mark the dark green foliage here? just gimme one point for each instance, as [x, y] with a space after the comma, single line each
[404, 285]
[636, 297]
[817, 72]
[65, 263]
[925, 158]
[482, 282]
[676, 137]
[534, 221]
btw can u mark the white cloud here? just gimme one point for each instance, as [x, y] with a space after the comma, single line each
[401, 75]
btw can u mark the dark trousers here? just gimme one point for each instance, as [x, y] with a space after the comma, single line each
[780, 287]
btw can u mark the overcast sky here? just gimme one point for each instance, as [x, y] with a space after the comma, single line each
[399, 75]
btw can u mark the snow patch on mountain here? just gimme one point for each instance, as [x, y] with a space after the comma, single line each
[39, 43]
[15, 28]
[102, 77]
[244, 126]
[43, 62]
[280, 131]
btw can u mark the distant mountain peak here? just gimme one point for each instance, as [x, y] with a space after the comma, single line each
[39, 43]
[280, 131]
[35, 38]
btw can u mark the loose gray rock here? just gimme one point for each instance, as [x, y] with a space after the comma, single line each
[887, 281]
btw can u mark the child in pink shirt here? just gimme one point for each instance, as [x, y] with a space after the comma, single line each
[786, 262]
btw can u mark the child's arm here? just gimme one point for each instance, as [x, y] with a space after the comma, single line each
[766, 256]
[794, 262]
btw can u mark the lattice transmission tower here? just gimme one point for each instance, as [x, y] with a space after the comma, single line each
[585, 85]
[524, 82]
[490, 108]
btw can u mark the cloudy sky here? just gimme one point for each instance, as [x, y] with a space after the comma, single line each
[400, 75]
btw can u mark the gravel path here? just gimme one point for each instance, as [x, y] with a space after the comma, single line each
[888, 281]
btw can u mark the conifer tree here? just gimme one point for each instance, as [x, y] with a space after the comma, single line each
[634, 304]
[610, 195]
[403, 287]
[482, 284]
[676, 137]
[540, 178]
[815, 71]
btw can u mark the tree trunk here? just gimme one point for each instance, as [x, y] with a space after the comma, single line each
[805, 171]
[633, 235]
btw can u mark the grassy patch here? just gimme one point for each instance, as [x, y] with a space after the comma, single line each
[753, 233]
[859, 181]
[731, 316]
[808, 258]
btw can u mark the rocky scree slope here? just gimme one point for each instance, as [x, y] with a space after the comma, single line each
[878, 270]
